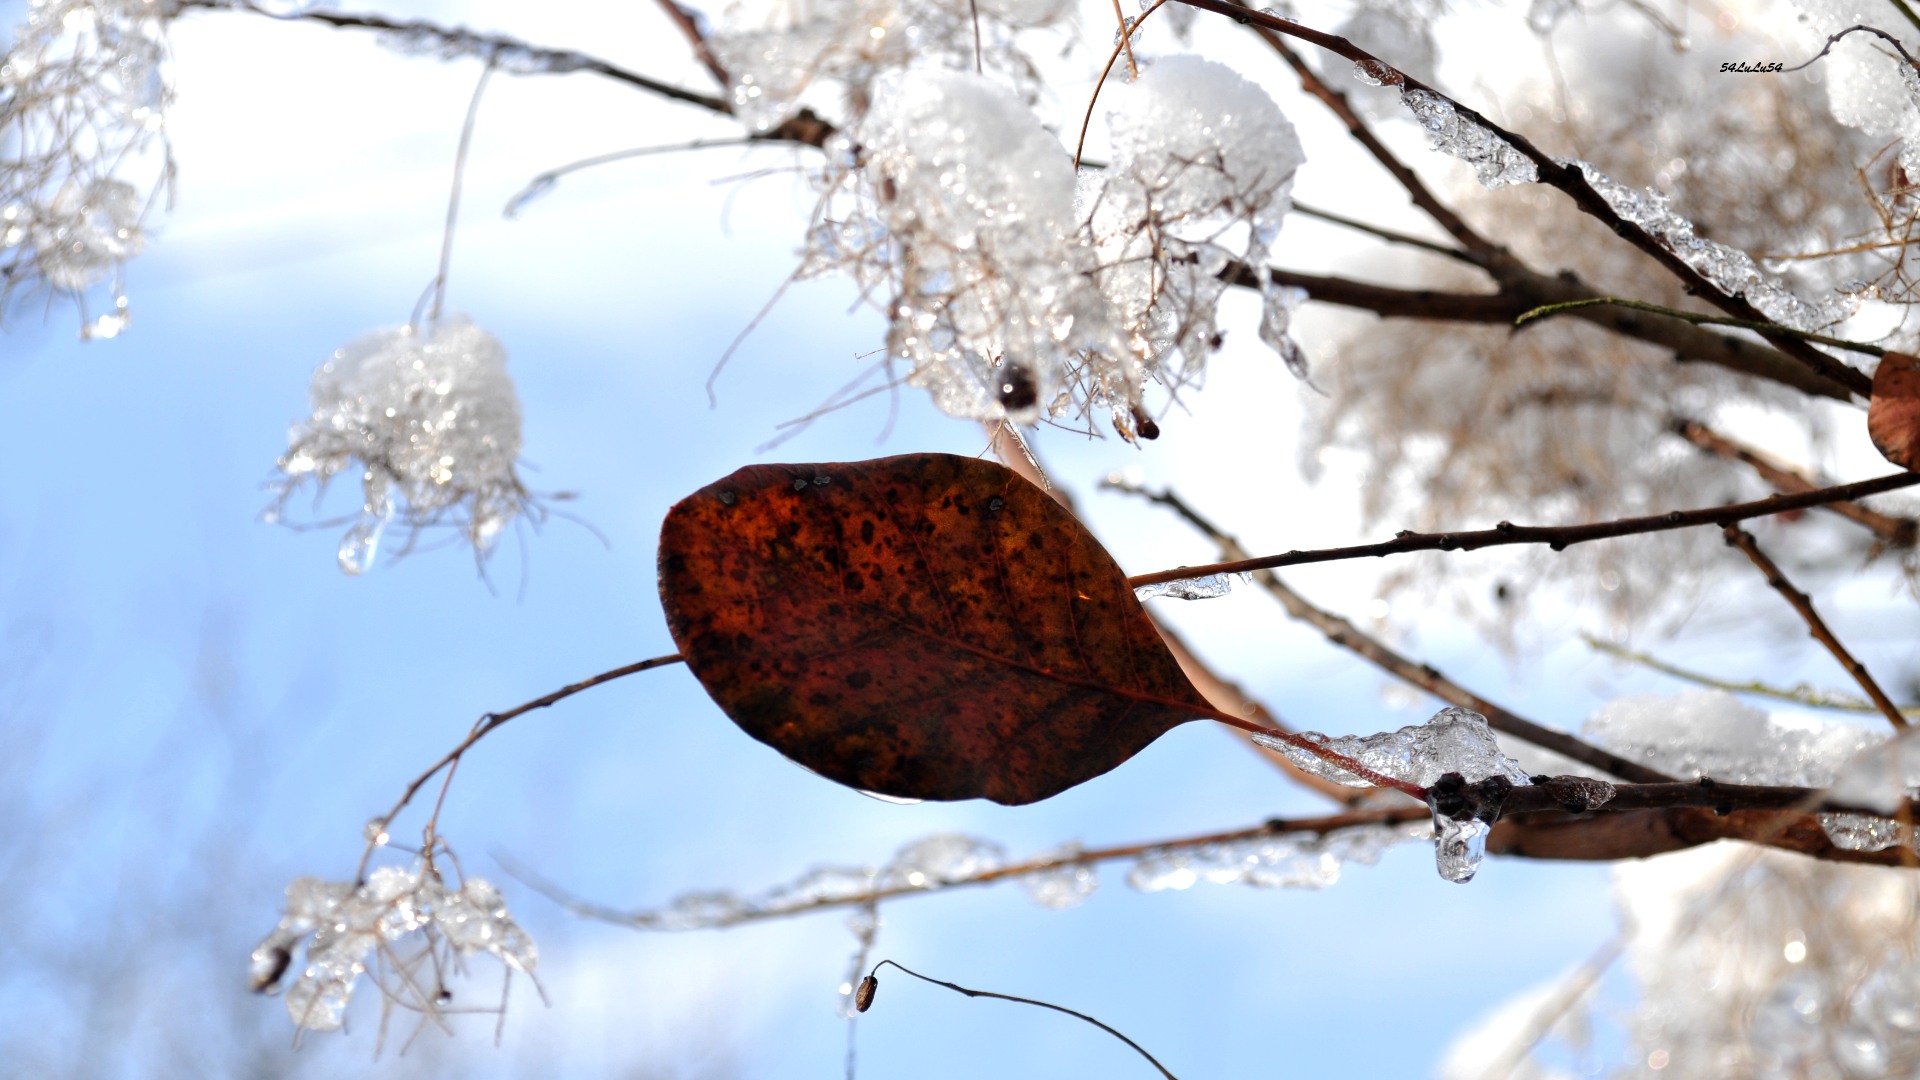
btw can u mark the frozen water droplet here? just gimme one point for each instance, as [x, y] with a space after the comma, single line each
[1495, 162]
[1064, 886]
[942, 858]
[376, 832]
[362, 542]
[1458, 847]
[1196, 588]
[1160, 870]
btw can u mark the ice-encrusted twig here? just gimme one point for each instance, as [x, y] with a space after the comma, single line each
[788, 902]
[1569, 178]
[1425, 676]
[1557, 537]
[1742, 539]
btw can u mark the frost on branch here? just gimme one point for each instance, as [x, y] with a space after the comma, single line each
[1288, 861]
[1451, 740]
[83, 100]
[961, 213]
[777, 51]
[1202, 174]
[1495, 162]
[403, 928]
[432, 425]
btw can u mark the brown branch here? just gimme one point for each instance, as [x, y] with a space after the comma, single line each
[689, 28]
[1894, 532]
[1425, 676]
[1742, 539]
[459, 41]
[1229, 697]
[1478, 246]
[491, 721]
[1522, 290]
[1566, 178]
[1557, 537]
[1640, 821]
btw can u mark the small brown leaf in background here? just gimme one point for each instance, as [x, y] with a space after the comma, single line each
[925, 626]
[1893, 416]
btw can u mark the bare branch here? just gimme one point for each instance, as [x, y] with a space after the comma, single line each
[1569, 180]
[1894, 532]
[1557, 537]
[1425, 676]
[1742, 539]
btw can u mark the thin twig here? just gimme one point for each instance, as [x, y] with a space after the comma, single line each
[453, 194]
[491, 721]
[1425, 676]
[1557, 537]
[690, 29]
[543, 181]
[872, 981]
[1895, 532]
[1112, 58]
[1546, 310]
[1798, 695]
[1566, 178]
[1742, 539]
[1133, 67]
[1388, 235]
[464, 41]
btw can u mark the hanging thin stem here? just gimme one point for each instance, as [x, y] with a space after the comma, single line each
[453, 192]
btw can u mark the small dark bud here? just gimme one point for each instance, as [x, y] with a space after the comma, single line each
[1541, 779]
[1017, 389]
[863, 994]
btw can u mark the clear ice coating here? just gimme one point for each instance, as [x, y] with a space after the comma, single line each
[1495, 162]
[431, 423]
[941, 859]
[1277, 305]
[1458, 847]
[1196, 588]
[1863, 832]
[1282, 861]
[1064, 886]
[84, 127]
[343, 925]
[1452, 740]
[1731, 270]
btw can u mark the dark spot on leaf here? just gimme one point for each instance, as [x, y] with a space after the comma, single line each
[859, 679]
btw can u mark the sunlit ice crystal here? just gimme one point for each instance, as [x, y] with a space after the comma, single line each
[1863, 832]
[1731, 270]
[1201, 174]
[1452, 740]
[991, 304]
[942, 858]
[1495, 162]
[1066, 885]
[430, 421]
[1208, 587]
[1458, 847]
